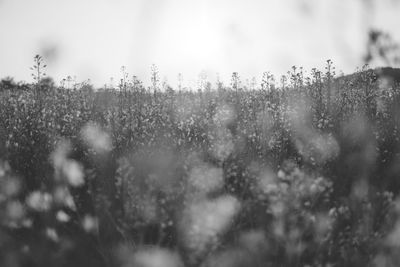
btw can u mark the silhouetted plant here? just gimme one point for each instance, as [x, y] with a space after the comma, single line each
[38, 69]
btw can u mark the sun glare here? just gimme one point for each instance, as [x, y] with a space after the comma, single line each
[192, 36]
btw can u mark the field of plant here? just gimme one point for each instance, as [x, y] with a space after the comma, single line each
[303, 171]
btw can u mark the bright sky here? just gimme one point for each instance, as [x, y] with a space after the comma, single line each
[93, 39]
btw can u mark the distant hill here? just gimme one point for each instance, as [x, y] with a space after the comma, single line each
[389, 75]
[392, 74]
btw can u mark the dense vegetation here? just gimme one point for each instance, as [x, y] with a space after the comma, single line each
[300, 172]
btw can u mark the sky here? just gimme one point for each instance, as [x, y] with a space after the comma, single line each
[92, 39]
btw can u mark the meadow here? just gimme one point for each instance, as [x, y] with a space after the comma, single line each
[297, 171]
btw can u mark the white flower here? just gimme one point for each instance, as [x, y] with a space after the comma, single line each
[39, 201]
[73, 172]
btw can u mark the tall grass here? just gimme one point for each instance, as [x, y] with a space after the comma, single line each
[298, 174]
